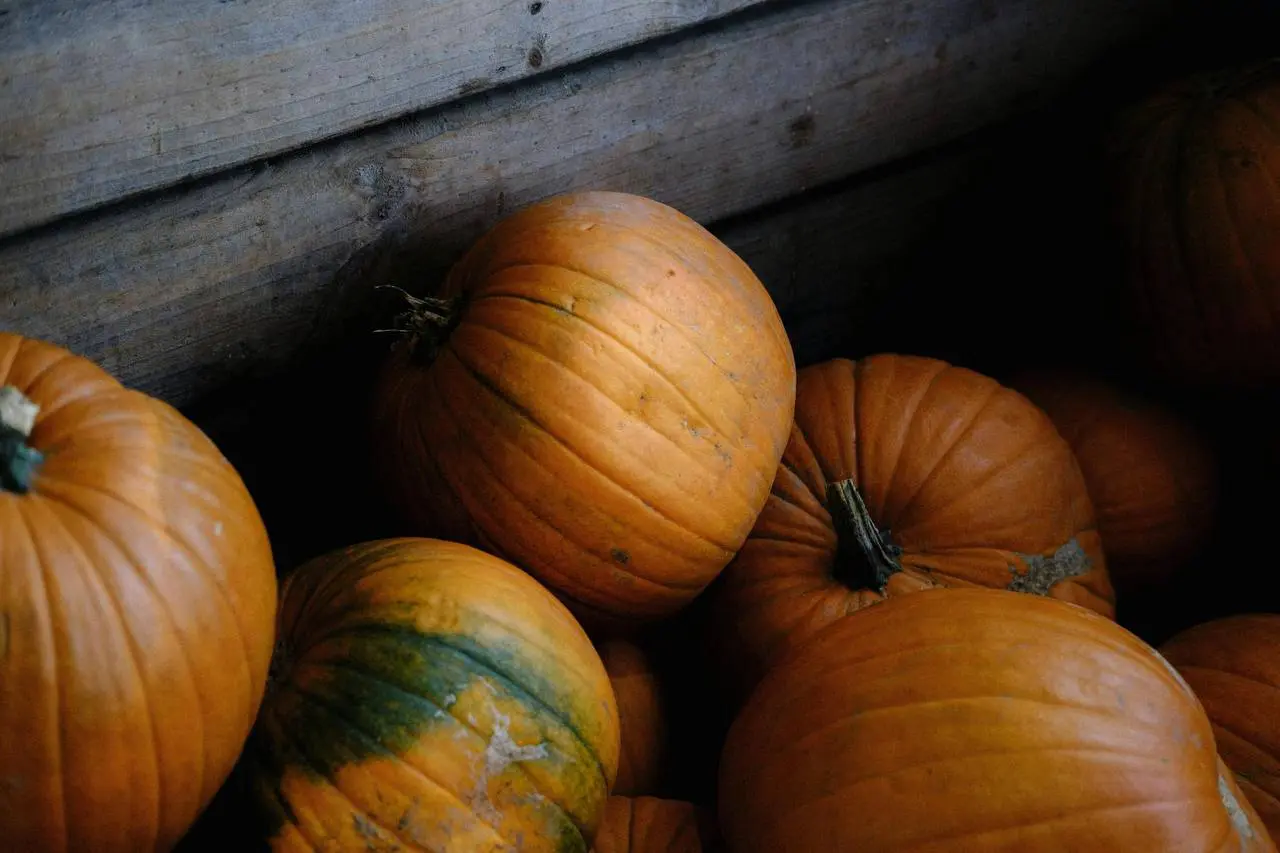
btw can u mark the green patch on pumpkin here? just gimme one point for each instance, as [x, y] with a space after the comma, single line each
[381, 688]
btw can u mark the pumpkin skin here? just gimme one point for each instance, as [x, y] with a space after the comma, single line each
[605, 407]
[966, 478]
[1197, 210]
[1233, 665]
[977, 720]
[642, 714]
[429, 696]
[651, 825]
[137, 607]
[1153, 479]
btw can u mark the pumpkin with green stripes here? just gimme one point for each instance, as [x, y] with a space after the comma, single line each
[428, 696]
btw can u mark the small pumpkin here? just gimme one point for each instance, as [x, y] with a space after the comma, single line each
[651, 825]
[599, 394]
[137, 602]
[975, 721]
[429, 696]
[1197, 210]
[904, 473]
[1152, 477]
[1233, 665]
[642, 714]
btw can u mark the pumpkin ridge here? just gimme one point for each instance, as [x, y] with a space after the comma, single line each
[908, 416]
[479, 458]
[938, 510]
[671, 441]
[496, 482]
[983, 698]
[803, 442]
[992, 394]
[52, 614]
[1230, 673]
[1184, 160]
[519, 690]
[104, 591]
[193, 558]
[1071, 818]
[497, 392]
[646, 360]
[1249, 261]
[679, 328]
[1247, 265]
[317, 777]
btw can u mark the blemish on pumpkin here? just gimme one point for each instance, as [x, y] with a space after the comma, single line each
[217, 528]
[1044, 573]
[1238, 818]
[620, 556]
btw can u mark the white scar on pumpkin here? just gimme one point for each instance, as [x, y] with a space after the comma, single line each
[500, 753]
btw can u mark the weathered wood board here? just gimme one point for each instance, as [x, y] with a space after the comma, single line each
[196, 288]
[101, 100]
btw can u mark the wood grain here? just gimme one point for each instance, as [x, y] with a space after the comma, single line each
[104, 99]
[238, 276]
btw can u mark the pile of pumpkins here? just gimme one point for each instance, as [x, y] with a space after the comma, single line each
[595, 417]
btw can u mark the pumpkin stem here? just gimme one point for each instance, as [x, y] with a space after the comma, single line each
[427, 322]
[18, 461]
[866, 556]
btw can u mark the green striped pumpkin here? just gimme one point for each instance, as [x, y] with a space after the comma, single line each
[428, 696]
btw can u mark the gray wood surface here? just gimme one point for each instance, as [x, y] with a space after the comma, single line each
[102, 99]
[196, 288]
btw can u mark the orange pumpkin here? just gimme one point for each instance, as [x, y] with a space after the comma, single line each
[1233, 665]
[1152, 477]
[650, 825]
[642, 716]
[905, 473]
[1197, 211]
[137, 597]
[429, 696]
[601, 395]
[977, 721]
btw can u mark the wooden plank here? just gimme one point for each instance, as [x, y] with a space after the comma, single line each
[104, 99]
[187, 292]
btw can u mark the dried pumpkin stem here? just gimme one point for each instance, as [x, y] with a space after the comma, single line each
[18, 460]
[427, 322]
[866, 557]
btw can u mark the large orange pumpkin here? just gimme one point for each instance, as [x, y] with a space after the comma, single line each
[1233, 665]
[642, 714]
[137, 599]
[1198, 210]
[651, 825]
[429, 696]
[904, 473]
[977, 721]
[1152, 477]
[601, 395]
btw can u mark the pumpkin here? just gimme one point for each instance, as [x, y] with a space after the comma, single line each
[600, 394]
[977, 720]
[651, 825]
[1151, 476]
[904, 473]
[1233, 665]
[642, 716]
[137, 603]
[427, 695]
[1197, 210]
